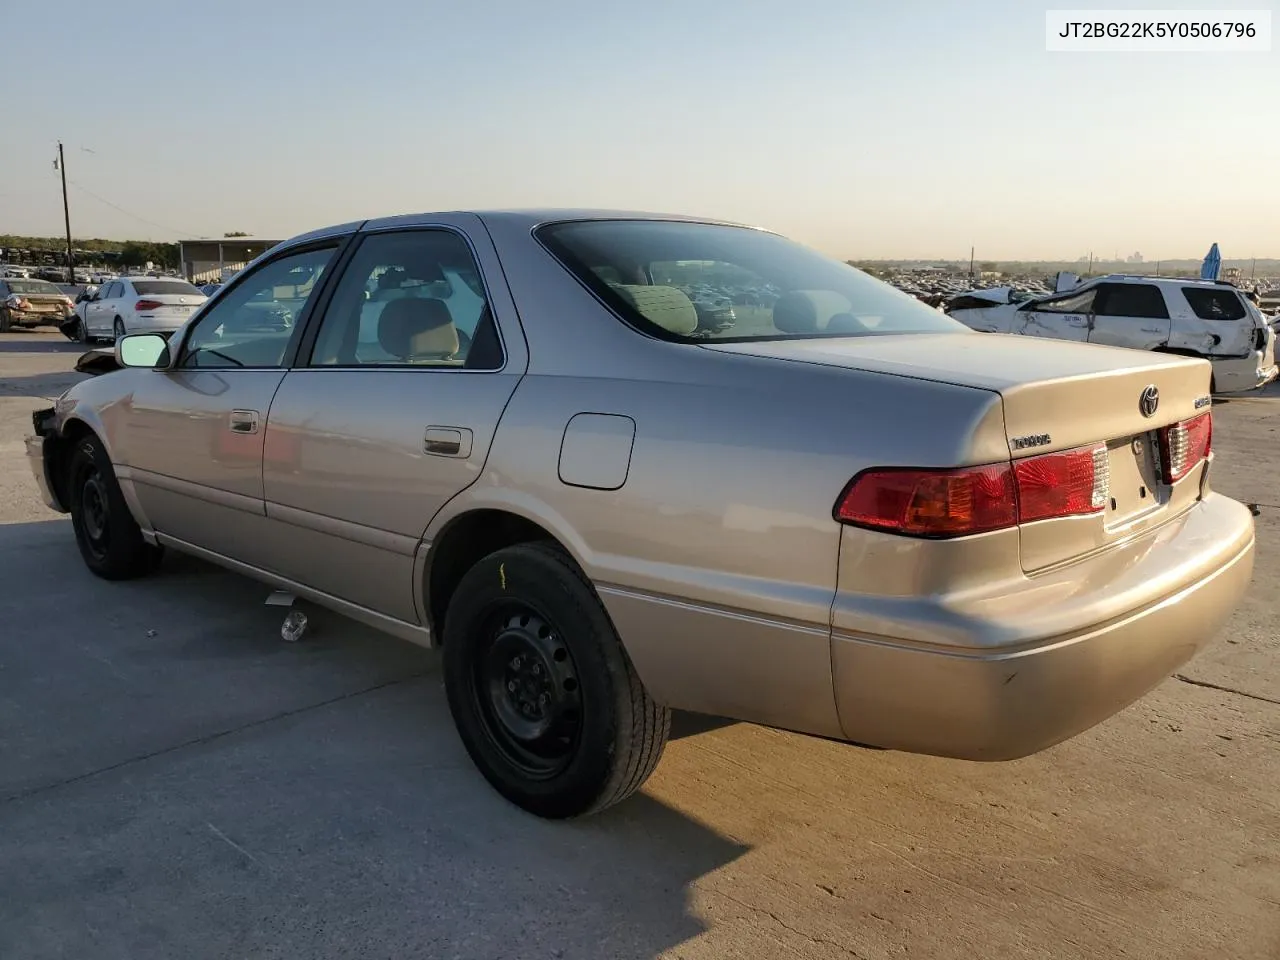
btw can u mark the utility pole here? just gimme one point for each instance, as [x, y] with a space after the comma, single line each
[66, 215]
[971, 264]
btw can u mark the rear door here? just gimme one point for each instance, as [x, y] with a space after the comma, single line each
[1065, 317]
[390, 409]
[1130, 315]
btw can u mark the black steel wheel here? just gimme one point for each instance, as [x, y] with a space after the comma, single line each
[108, 537]
[526, 688]
[544, 696]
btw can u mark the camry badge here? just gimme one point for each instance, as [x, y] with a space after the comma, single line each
[1149, 401]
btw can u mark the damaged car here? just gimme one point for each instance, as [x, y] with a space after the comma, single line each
[32, 303]
[857, 520]
[1209, 319]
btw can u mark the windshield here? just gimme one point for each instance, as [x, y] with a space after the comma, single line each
[698, 281]
[33, 286]
[153, 288]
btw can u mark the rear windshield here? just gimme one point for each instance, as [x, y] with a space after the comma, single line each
[698, 281]
[178, 288]
[33, 286]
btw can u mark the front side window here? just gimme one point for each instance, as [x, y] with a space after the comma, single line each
[1214, 304]
[696, 281]
[1142, 300]
[409, 298]
[1073, 303]
[251, 325]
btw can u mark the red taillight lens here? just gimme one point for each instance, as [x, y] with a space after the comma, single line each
[1184, 445]
[931, 503]
[143, 305]
[956, 503]
[1067, 484]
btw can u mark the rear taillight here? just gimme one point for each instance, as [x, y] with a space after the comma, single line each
[15, 302]
[1067, 484]
[956, 503]
[1184, 445]
[144, 305]
[931, 503]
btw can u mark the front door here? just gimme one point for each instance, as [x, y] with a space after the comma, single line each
[390, 410]
[97, 319]
[192, 435]
[1130, 315]
[1060, 318]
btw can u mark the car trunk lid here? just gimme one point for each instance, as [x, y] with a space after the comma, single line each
[1055, 397]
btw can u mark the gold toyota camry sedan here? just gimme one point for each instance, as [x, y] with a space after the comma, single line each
[616, 464]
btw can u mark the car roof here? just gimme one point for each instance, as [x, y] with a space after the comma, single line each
[1179, 281]
[519, 217]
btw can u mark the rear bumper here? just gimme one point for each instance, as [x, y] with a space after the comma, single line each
[26, 318]
[155, 324]
[994, 697]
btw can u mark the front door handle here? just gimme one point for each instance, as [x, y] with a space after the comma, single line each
[447, 442]
[244, 421]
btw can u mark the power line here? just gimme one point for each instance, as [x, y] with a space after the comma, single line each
[127, 213]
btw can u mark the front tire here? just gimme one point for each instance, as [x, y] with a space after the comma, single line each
[542, 692]
[108, 537]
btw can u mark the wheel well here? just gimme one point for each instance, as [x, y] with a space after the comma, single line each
[461, 544]
[71, 433]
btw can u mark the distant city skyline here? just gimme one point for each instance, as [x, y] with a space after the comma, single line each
[907, 130]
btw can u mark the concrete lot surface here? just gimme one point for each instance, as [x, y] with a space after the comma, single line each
[176, 782]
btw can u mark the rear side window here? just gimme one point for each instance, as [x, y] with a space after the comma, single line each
[1132, 300]
[1211, 304]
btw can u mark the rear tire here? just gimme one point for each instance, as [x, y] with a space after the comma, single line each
[117, 329]
[109, 538]
[4, 321]
[544, 697]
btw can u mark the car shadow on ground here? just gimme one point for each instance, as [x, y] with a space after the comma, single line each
[37, 385]
[175, 780]
[39, 343]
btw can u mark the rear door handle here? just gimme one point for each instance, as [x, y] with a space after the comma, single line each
[244, 421]
[447, 442]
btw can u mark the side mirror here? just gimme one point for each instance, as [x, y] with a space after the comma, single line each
[143, 350]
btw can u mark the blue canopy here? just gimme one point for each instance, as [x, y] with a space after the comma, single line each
[1212, 265]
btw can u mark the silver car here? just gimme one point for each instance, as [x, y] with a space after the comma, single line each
[846, 515]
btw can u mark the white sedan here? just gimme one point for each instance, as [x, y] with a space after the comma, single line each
[138, 305]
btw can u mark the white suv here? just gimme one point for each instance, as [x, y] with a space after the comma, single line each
[138, 305]
[1197, 318]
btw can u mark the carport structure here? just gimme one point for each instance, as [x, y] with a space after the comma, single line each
[205, 260]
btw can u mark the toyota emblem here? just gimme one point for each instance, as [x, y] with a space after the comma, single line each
[1149, 401]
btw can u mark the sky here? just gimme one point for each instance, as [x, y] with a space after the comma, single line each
[890, 129]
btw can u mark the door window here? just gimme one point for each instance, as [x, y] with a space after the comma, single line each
[1072, 303]
[410, 298]
[1131, 300]
[252, 323]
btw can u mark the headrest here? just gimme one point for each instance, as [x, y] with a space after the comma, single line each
[808, 311]
[669, 308]
[414, 328]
